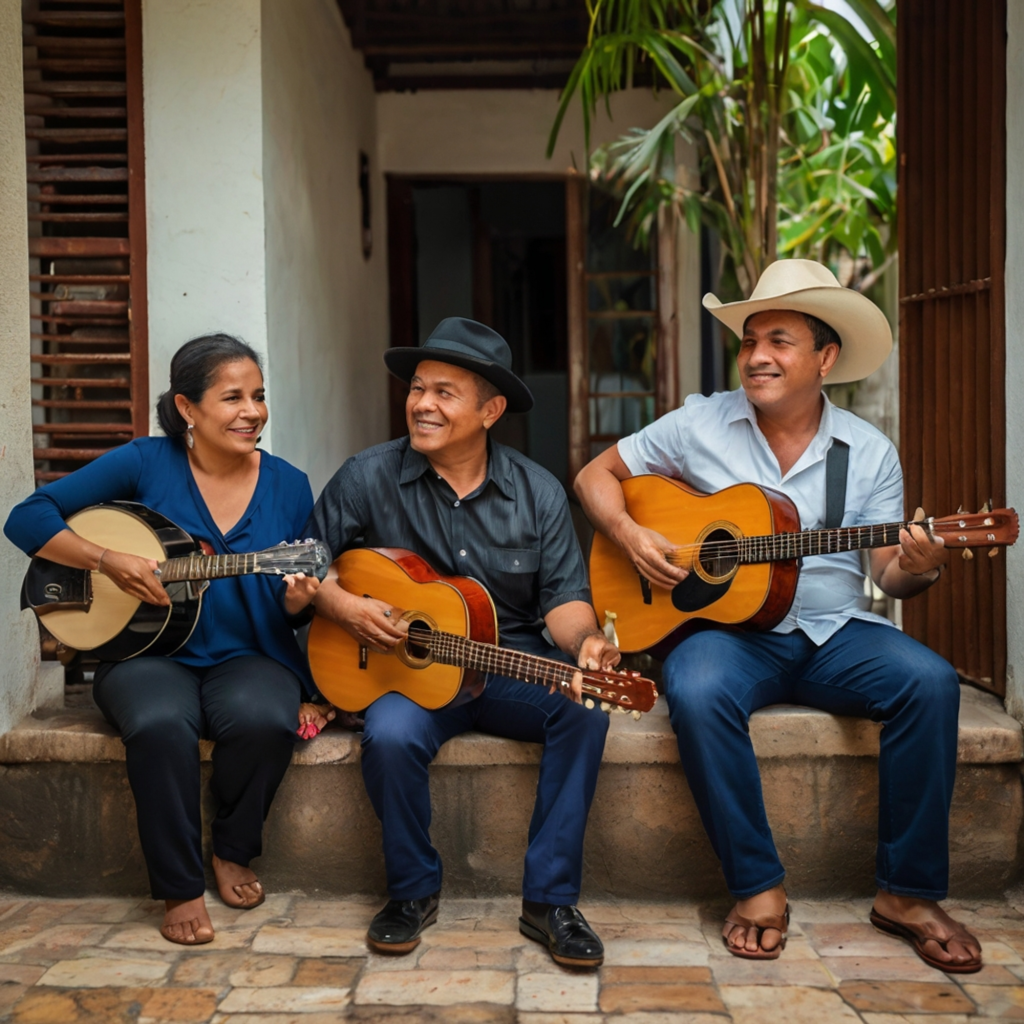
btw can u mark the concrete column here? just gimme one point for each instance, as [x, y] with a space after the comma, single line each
[688, 279]
[1015, 347]
[18, 635]
[204, 176]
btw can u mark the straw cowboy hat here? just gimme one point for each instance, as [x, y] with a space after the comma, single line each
[471, 345]
[808, 287]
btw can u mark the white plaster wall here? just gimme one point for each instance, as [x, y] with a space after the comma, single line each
[1015, 347]
[204, 176]
[498, 131]
[18, 635]
[326, 305]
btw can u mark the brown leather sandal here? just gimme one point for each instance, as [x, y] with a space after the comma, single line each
[915, 935]
[780, 922]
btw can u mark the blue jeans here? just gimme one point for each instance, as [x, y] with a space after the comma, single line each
[715, 680]
[400, 739]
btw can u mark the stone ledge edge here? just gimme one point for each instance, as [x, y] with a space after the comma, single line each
[987, 736]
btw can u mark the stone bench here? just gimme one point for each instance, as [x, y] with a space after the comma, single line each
[67, 816]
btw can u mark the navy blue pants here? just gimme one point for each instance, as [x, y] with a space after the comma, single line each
[400, 739]
[249, 706]
[715, 679]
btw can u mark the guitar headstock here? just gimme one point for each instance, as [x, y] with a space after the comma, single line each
[306, 556]
[627, 689]
[985, 529]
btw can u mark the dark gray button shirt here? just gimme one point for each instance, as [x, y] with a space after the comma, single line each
[513, 533]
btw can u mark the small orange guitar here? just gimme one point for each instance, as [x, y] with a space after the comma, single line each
[448, 650]
[742, 546]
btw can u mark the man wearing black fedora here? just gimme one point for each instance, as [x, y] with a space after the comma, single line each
[472, 507]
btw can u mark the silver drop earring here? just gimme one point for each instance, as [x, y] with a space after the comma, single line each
[189, 438]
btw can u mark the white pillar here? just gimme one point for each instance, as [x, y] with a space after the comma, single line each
[202, 71]
[19, 638]
[1015, 347]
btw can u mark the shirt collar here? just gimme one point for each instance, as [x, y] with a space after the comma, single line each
[499, 468]
[831, 425]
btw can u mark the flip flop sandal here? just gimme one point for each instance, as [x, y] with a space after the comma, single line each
[917, 939]
[779, 922]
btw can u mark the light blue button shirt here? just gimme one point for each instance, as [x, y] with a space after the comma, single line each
[715, 442]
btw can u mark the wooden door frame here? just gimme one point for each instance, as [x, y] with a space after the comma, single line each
[666, 325]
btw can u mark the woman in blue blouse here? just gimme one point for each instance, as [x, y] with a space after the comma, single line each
[241, 679]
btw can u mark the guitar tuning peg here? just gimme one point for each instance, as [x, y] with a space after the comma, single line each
[960, 510]
[992, 552]
[588, 703]
[606, 707]
[636, 715]
[968, 554]
[621, 710]
[919, 515]
[987, 507]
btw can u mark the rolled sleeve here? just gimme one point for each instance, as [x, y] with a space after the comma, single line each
[658, 448]
[885, 502]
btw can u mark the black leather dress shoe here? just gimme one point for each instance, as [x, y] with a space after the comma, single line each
[396, 929]
[564, 930]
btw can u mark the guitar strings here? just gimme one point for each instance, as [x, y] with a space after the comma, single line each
[782, 543]
[506, 661]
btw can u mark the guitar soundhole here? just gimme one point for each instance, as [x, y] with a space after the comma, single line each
[417, 628]
[719, 555]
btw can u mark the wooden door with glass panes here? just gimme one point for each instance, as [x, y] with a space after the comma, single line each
[619, 343]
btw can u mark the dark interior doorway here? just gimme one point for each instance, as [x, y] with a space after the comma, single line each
[494, 251]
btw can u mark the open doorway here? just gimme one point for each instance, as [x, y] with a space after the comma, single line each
[494, 251]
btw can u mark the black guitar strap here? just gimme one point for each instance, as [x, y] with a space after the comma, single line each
[836, 463]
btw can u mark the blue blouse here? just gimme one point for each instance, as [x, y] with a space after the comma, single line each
[241, 615]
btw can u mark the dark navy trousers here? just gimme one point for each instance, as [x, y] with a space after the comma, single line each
[249, 706]
[715, 679]
[400, 739]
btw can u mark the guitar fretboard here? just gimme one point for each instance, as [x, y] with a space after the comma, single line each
[781, 546]
[452, 649]
[207, 567]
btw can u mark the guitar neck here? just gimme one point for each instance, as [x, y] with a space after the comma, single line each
[208, 567]
[451, 649]
[784, 546]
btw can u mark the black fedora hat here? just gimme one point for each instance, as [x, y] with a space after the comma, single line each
[471, 345]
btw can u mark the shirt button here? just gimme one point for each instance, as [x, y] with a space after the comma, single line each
[516, 562]
[463, 552]
[457, 504]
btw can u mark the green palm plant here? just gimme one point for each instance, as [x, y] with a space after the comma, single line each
[792, 111]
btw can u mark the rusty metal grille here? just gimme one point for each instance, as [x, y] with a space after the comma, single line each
[86, 213]
[952, 96]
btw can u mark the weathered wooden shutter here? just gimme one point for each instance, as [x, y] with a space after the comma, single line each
[87, 239]
[952, 105]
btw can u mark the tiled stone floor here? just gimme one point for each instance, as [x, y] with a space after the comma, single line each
[301, 960]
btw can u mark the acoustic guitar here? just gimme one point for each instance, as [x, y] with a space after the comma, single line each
[451, 645]
[86, 611]
[742, 546]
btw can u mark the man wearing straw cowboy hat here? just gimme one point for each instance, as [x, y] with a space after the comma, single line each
[799, 329]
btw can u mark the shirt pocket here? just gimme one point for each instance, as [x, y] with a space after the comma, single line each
[512, 574]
